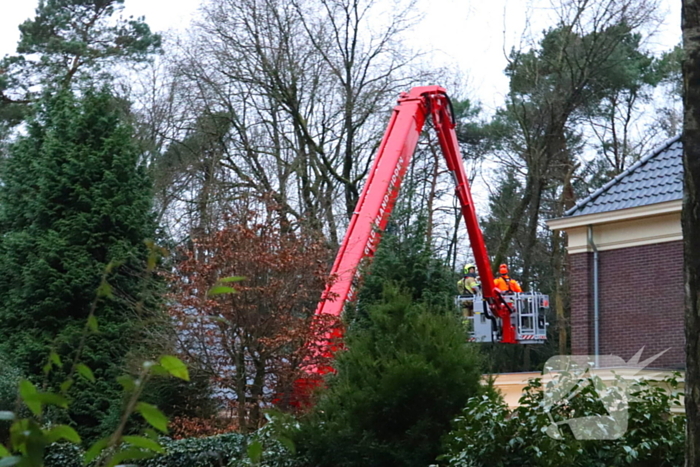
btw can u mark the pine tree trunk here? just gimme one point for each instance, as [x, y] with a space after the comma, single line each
[514, 224]
[560, 313]
[691, 223]
[560, 262]
[531, 240]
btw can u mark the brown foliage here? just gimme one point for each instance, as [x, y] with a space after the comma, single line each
[195, 427]
[252, 342]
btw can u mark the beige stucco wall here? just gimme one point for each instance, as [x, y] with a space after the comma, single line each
[625, 228]
[623, 234]
[511, 385]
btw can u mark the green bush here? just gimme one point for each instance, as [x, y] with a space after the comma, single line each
[214, 451]
[489, 434]
[9, 380]
[231, 449]
[405, 375]
[10, 377]
[262, 449]
[63, 455]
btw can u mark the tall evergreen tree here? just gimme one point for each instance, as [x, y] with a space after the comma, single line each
[405, 257]
[405, 375]
[74, 197]
[69, 41]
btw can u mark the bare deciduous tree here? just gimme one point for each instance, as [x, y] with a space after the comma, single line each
[251, 343]
[305, 90]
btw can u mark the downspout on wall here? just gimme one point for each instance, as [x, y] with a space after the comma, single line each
[596, 299]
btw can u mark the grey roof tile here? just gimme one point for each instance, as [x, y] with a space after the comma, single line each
[655, 178]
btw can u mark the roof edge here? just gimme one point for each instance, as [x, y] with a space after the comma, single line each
[648, 210]
[658, 149]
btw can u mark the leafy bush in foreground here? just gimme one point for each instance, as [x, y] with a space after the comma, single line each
[489, 434]
[215, 451]
[268, 447]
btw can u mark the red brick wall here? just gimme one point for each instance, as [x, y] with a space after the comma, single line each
[580, 269]
[641, 303]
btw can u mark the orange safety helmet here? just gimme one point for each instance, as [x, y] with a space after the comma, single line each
[503, 269]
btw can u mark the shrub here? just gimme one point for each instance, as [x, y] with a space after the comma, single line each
[9, 380]
[268, 447]
[10, 377]
[487, 433]
[406, 374]
[214, 451]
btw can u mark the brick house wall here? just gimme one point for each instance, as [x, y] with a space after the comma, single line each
[641, 303]
[581, 278]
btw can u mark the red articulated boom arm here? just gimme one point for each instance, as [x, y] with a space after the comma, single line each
[379, 195]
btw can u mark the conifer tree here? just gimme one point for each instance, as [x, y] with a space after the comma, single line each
[406, 373]
[67, 40]
[407, 258]
[74, 198]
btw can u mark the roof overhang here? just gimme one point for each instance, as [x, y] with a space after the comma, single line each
[563, 223]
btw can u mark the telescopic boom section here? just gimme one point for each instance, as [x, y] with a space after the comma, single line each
[443, 121]
[379, 195]
[376, 202]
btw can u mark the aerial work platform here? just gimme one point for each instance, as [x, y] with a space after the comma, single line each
[529, 317]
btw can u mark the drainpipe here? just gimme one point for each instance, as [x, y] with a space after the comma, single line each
[596, 300]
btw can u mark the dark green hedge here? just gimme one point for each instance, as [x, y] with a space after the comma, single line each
[215, 451]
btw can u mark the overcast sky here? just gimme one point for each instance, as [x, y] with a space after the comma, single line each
[467, 34]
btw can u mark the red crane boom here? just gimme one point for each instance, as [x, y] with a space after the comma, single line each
[379, 195]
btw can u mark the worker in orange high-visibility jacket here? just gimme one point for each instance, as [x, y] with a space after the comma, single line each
[504, 283]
